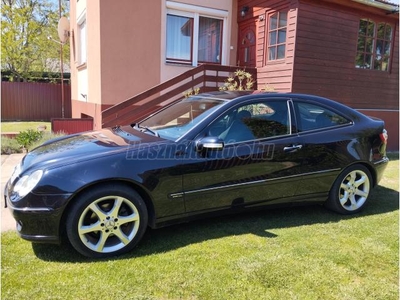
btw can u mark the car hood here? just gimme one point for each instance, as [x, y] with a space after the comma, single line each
[85, 146]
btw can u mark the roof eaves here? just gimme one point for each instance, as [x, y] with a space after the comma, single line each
[390, 8]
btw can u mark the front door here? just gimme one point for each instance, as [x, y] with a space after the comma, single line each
[247, 44]
[261, 161]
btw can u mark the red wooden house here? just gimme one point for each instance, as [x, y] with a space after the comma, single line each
[340, 49]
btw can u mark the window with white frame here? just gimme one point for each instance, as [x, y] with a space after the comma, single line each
[179, 38]
[82, 51]
[210, 40]
[194, 34]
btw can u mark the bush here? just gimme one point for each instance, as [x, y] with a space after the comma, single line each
[9, 146]
[26, 138]
[46, 136]
[241, 81]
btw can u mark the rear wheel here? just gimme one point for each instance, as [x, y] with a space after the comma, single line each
[350, 191]
[106, 221]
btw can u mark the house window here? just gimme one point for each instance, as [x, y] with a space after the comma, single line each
[179, 38]
[82, 54]
[181, 45]
[210, 40]
[374, 45]
[194, 34]
[277, 35]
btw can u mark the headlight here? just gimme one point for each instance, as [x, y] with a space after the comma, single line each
[27, 183]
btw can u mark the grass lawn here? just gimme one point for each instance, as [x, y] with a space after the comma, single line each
[295, 253]
[22, 126]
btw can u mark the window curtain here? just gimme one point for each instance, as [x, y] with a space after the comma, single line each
[179, 37]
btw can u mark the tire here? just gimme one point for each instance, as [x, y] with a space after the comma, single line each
[350, 191]
[107, 221]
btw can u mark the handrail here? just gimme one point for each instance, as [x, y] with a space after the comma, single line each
[206, 77]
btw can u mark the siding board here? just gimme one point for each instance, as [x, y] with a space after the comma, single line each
[31, 101]
[277, 74]
[71, 126]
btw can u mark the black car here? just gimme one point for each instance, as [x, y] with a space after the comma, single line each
[210, 153]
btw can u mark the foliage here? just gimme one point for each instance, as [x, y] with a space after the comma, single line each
[29, 137]
[25, 47]
[10, 145]
[191, 92]
[291, 253]
[241, 81]
[46, 136]
[48, 77]
[14, 145]
[26, 138]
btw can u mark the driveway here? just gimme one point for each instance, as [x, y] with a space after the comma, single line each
[8, 163]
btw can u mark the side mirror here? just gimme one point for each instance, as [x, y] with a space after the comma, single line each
[210, 143]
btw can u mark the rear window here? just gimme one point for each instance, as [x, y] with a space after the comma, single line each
[312, 116]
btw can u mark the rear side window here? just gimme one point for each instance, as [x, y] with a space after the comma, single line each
[311, 116]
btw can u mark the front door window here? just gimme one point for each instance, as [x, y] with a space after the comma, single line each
[260, 120]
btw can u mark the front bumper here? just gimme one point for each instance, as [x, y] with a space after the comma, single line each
[37, 224]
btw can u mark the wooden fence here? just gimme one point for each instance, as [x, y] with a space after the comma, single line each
[206, 77]
[32, 101]
[70, 126]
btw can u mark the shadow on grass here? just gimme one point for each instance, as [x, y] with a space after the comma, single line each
[382, 200]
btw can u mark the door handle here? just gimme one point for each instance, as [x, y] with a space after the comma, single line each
[292, 148]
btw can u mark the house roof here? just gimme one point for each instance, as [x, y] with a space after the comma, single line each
[381, 4]
[385, 1]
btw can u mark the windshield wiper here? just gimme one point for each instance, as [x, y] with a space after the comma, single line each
[145, 128]
[150, 130]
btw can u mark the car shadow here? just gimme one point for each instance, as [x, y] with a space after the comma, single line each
[260, 223]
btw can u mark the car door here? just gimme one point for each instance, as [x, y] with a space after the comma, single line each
[323, 135]
[260, 162]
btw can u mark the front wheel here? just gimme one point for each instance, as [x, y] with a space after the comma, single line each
[350, 191]
[107, 221]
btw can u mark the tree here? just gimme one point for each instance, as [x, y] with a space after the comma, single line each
[25, 47]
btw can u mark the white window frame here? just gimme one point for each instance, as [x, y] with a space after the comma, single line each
[195, 12]
[82, 39]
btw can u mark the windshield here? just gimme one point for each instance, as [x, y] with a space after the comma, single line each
[174, 121]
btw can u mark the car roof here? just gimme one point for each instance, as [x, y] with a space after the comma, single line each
[240, 96]
[222, 95]
[233, 95]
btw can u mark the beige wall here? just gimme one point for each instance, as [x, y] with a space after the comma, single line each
[130, 48]
[170, 70]
[126, 50]
[85, 79]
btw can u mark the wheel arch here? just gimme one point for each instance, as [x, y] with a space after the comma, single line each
[139, 189]
[370, 168]
[334, 197]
